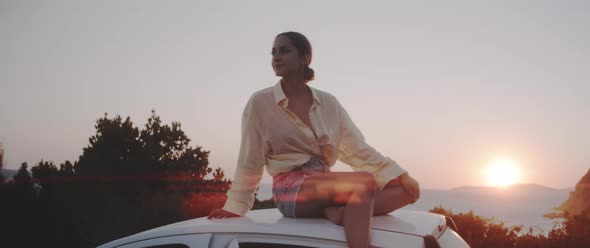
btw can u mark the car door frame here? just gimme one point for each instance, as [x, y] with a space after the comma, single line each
[191, 240]
[223, 240]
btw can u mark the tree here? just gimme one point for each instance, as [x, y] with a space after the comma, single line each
[45, 173]
[478, 231]
[23, 202]
[127, 180]
[1, 164]
[139, 179]
[67, 169]
[482, 232]
[23, 180]
[576, 213]
[218, 175]
[113, 151]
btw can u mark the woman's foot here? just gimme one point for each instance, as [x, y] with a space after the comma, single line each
[334, 214]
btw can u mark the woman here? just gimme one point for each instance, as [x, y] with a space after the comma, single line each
[298, 133]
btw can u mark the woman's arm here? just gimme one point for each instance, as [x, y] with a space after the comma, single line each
[354, 151]
[250, 167]
[221, 214]
[410, 185]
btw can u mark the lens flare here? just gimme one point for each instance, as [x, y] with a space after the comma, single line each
[502, 172]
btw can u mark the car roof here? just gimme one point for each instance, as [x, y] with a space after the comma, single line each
[271, 221]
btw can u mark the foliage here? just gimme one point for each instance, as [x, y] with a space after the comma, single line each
[480, 232]
[575, 211]
[127, 180]
[19, 199]
[264, 204]
[1, 163]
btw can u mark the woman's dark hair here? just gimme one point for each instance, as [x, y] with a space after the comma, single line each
[303, 46]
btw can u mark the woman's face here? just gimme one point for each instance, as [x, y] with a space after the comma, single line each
[285, 58]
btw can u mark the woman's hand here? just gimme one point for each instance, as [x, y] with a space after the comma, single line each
[221, 214]
[411, 186]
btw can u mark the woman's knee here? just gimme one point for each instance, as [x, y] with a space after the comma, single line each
[365, 186]
[391, 198]
[399, 194]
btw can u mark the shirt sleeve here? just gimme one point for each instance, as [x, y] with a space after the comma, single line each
[250, 165]
[354, 151]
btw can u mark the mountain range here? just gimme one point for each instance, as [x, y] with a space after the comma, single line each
[8, 173]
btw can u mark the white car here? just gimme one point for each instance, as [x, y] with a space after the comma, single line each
[268, 228]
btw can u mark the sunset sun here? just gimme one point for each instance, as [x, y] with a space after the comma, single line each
[502, 172]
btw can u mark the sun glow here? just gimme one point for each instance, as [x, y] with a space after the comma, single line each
[502, 172]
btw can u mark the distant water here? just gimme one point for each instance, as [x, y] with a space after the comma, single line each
[518, 205]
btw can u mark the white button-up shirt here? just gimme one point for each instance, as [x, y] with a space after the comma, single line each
[275, 138]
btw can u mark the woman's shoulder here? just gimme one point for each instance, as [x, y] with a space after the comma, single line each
[266, 92]
[324, 96]
[260, 97]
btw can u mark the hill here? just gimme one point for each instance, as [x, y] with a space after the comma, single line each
[8, 174]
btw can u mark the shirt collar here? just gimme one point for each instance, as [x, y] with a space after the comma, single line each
[279, 94]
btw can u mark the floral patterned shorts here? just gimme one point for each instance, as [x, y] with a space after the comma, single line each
[285, 186]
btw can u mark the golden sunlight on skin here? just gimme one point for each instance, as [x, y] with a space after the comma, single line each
[502, 172]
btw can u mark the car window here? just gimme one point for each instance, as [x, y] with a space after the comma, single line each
[250, 240]
[269, 245]
[180, 241]
[168, 246]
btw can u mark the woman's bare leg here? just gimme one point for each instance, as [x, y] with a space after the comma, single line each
[387, 200]
[390, 198]
[357, 217]
[354, 192]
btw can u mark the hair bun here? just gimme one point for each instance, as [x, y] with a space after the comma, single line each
[309, 74]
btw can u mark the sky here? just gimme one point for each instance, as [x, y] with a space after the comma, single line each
[443, 88]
